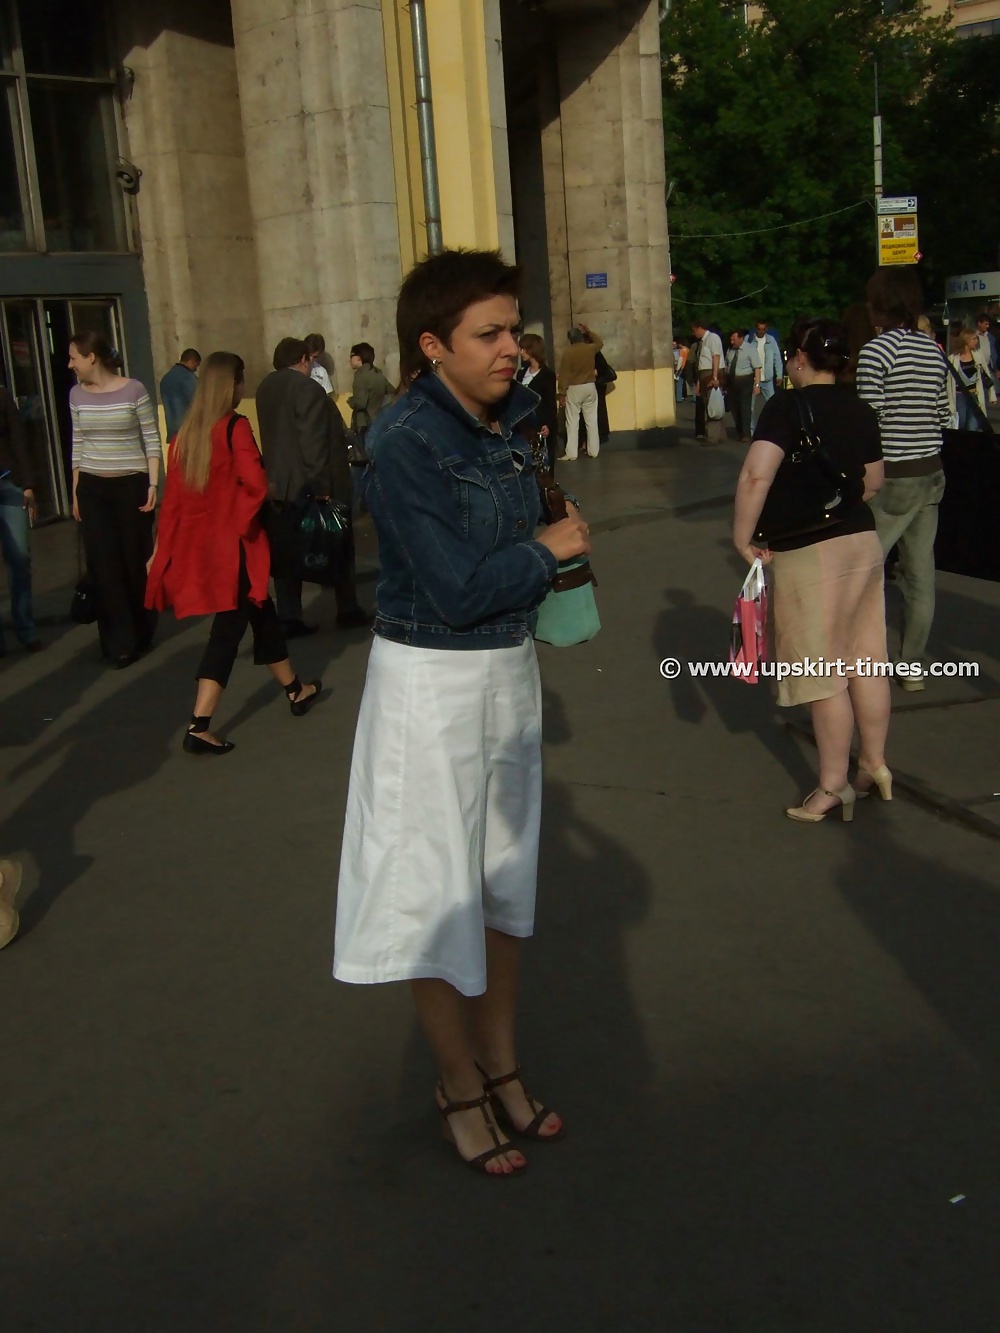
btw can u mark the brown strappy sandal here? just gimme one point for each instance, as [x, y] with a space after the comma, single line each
[530, 1131]
[498, 1150]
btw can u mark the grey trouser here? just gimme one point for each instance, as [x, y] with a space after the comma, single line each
[906, 515]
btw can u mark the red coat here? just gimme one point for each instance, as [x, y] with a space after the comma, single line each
[197, 562]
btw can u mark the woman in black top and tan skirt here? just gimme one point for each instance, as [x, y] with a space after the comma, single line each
[828, 598]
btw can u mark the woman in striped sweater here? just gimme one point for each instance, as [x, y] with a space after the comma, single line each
[116, 468]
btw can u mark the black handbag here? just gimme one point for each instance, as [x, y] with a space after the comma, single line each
[83, 606]
[817, 491]
[310, 541]
[606, 374]
[967, 541]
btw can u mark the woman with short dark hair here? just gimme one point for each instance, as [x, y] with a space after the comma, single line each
[440, 851]
[116, 469]
[536, 374]
[828, 601]
[212, 556]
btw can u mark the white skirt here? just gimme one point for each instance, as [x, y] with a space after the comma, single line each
[443, 812]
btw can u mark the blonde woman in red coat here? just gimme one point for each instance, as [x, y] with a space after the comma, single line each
[211, 554]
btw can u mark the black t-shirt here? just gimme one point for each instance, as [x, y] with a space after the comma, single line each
[849, 431]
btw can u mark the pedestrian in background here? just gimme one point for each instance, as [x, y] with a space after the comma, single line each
[316, 347]
[371, 390]
[990, 353]
[577, 385]
[828, 601]
[680, 361]
[116, 468]
[970, 384]
[440, 852]
[709, 368]
[211, 555]
[904, 377]
[743, 368]
[18, 510]
[536, 374]
[177, 388]
[772, 368]
[304, 443]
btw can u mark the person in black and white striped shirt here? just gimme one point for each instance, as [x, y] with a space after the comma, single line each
[903, 375]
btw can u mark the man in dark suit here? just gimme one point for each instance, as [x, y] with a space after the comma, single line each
[303, 441]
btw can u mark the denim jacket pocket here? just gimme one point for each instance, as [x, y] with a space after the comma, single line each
[476, 501]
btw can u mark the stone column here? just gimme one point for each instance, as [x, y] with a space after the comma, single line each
[604, 163]
[184, 132]
[315, 108]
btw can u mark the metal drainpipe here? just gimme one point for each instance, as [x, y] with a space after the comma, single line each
[425, 124]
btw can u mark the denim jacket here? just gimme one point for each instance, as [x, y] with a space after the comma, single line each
[455, 521]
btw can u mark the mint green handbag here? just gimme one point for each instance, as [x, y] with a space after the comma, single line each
[569, 613]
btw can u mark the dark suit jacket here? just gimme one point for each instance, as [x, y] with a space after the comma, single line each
[14, 456]
[544, 384]
[302, 438]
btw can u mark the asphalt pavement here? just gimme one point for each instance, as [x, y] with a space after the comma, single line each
[775, 1045]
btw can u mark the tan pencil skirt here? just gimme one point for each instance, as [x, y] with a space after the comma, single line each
[828, 603]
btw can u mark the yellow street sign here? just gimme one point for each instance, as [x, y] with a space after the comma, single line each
[897, 239]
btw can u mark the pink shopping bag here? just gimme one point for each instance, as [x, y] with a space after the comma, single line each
[747, 642]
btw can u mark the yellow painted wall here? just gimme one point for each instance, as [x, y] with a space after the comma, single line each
[405, 134]
[642, 400]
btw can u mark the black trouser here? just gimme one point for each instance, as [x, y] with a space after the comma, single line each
[228, 628]
[118, 542]
[741, 403]
[701, 402]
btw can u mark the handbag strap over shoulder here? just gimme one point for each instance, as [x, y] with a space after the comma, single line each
[812, 439]
[977, 411]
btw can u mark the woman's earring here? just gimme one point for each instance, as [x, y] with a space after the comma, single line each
[436, 362]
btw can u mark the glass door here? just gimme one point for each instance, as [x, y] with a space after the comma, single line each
[25, 370]
[34, 342]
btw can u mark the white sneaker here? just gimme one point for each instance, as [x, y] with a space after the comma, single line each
[10, 882]
[913, 684]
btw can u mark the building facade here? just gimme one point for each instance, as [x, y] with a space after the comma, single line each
[226, 174]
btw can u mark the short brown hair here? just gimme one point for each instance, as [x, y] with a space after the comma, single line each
[436, 294]
[289, 352]
[534, 346]
[895, 298]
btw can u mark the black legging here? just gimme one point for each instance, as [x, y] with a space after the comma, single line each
[228, 628]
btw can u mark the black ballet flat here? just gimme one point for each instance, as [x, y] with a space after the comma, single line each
[301, 706]
[194, 743]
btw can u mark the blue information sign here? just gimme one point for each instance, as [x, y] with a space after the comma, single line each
[597, 279]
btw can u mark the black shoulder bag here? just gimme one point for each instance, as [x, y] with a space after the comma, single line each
[810, 492]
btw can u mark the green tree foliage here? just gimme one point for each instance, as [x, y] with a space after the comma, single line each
[771, 123]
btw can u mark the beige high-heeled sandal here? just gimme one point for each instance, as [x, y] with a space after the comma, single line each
[846, 796]
[882, 780]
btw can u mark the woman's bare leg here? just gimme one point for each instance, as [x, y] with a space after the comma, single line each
[493, 1022]
[206, 701]
[284, 674]
[443, 1016]
[833, 725]
[872, 704]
